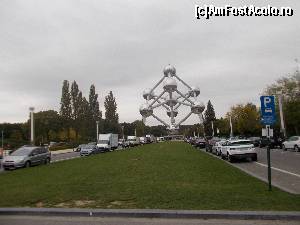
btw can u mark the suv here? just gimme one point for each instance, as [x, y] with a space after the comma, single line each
[292, 143]
[26, 156]
[238, 149]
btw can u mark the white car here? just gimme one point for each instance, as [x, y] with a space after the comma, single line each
[238, 149]
[217, 147]
[292, 143]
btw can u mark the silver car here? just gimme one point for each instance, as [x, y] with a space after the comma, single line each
[26, 156]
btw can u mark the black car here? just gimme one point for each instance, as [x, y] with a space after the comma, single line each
[255, 141]
[274, 142]
[200, 143]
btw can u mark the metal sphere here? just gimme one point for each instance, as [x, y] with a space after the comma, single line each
[171, 102]
[147, 93]
[145, 111]
[198, 108]
[169, 70]
[175, 113]
[194, 92]
[170, 84]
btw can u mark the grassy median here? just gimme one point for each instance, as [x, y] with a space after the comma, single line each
[171, 175]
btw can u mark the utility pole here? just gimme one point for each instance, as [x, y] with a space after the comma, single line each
[31, 109]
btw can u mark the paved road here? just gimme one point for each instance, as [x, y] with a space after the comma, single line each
[285, 168]
[41, 220]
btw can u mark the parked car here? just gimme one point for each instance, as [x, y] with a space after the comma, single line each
[143, 140]
[210, 143]
[292, 143]
[26, 156]
[217, 147]
[77, 149]
[274, 142]
[238, 149]
[200, 143]
[255, 141]
[87, 150]
[133, 141]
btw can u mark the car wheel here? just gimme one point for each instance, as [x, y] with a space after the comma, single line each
[47, 161]
[283, 148]
[222, 156]
[27, 164]
[254, 158]
[230, 158]
[297, 149]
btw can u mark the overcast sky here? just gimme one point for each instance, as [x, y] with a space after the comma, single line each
[123, 46]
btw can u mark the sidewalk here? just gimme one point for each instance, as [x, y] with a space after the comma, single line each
[62, 151]
[154, 213]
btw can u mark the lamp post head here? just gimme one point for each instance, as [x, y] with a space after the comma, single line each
[31, 109]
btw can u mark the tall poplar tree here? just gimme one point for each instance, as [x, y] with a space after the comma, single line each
[209, 116]
[111, 115]
[65, 106]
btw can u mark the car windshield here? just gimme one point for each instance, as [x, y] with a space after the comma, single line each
[21, 152]
[237, 143]
[103, 141]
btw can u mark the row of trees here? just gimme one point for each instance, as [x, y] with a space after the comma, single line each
[76, 119]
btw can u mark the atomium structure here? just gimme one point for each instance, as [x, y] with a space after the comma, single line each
[171, 99]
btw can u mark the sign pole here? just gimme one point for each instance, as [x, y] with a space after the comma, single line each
[268, 117]
[269, 157]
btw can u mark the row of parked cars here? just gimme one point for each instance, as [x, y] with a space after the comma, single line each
[241, 148]
[230, 149]
[110, 142]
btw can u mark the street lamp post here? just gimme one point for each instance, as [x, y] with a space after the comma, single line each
[282, 125]
[31, 109]
[97, 132]
[2, 140]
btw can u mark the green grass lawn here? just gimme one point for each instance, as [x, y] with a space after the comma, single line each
[171, 175]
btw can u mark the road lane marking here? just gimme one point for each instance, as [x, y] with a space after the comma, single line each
[280, 170]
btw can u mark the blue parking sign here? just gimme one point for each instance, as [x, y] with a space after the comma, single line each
[268, 113]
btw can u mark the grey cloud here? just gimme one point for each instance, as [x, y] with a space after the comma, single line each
[123, 46]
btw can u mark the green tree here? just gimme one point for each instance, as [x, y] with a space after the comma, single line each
[111, 115]
[94, 111]
[245, 119]
[209, 116]
[65, 106]
[289, 86]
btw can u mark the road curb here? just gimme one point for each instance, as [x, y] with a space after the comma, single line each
[154, 213]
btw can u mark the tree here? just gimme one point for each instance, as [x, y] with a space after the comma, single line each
[46, 123]
[65, 106]
[94, 112]
[111, 115]
[289, 86]
[245, 119]
[209, 116]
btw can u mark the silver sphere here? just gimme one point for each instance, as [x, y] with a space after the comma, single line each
[175, 113]
[171, 102]
[198, 108]
[170, 84]
[145, 111]
[169, 70]
[194, 92]
[147, 93]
